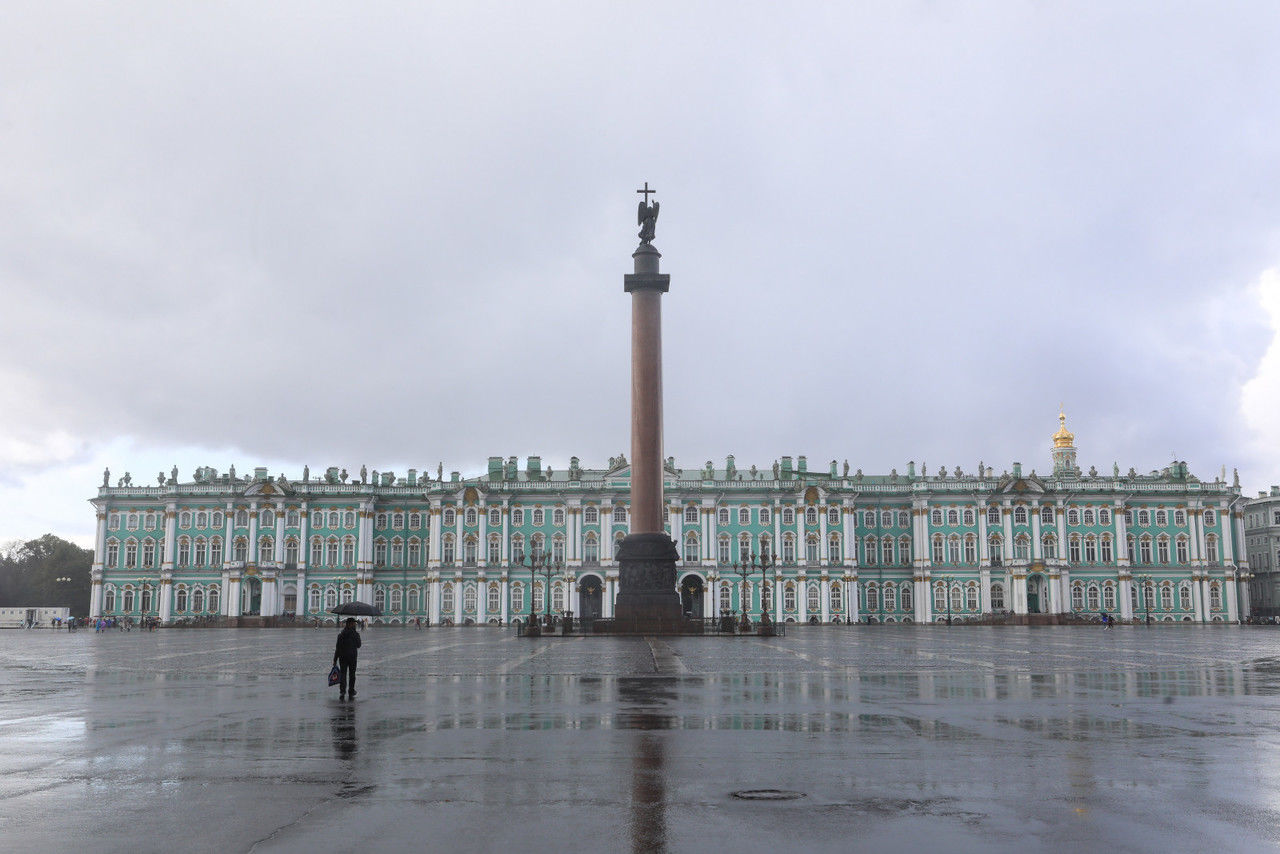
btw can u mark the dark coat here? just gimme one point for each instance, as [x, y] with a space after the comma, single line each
[348, 643]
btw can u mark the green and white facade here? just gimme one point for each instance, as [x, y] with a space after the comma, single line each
[913, 546]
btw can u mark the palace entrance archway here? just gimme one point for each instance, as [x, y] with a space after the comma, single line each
[1037, 595]
[691, 596]
[590, 597]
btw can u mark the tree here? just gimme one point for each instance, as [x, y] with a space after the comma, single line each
[29, 574]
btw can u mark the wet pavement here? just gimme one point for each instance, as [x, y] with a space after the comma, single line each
[891, 738]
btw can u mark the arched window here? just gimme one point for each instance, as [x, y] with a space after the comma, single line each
[1215, 596]
[184, 551]
[691, 515]
[215, 598]
[1091, 549]
[557, 596]
[1210, 518]
[591, 549]
[970, 549]
[953, 518]
[1093, 599]
[469, 549]
[1077, 597]
[811, 515]
[493, 551]
[691, 547]
[493, 601]
[109, 599]
[1144, 549]
[379, 552]
[723, 555]
[890, 595]
[517, 549]
[266, 548]
[448, 550]
[349, 551]
[180, 599]
[997, 597]
[397, 599]
[1181, 549]
[789, 549]
[833, 547]
[1211, 547]
[1166, 596]
[1022, 547]
[939, 597]
[197, 600]
[1109, 596]
[619, 514]
[201, 552]
[317, 552]
[449, 518]
[744, 547]
[495, 516]
[330, 598]
[957, 597]
[291, 519]
[872, 597]
[1184, 596]
[184, 519]
[936, 550]
[130, 553]
[242, 518]
[971, 597]
[953, 550]
[241, 549]
[1162, 549]
[837, 596]
[1106, 552]
[380, 598]
[447, 603]
[415, 552]
[813, 601]
[291, 551]
[113, 553]
[517, 598]
[557, 517]
[268, 519]
[313, 598]
[1046, 514]
[590, 515]
[539, 517]
[993, 515]
[995, 546]
[744, 515]
[1049, 545]
[869, 551]
[557, 548]
[789, 596]
[904, 550]
[811, 548]
[935, 517]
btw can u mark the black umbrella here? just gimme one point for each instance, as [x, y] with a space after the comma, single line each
[357, 609]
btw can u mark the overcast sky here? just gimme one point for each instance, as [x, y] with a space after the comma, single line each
[353, 233]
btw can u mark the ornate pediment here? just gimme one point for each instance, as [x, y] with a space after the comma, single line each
[269, 488]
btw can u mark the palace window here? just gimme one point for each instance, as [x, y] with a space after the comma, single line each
[493, 554]
[1144, 550]
[517, 598]
[380, 597]
[766, 545]
[266, 549]
[869, 551]
[886, 552]
[953, 518]
[242, 518]
[1215, 596]
[349, 551]
[415, 552]
[872, 598]
[495, 516]
[1049, 545]
[1094, 602]
[448, 605]
[1106, 549]
[956, 597]
[788, 549]
[590, 515]
[218, 519]
[517, 517]
[290, 519]
[970, 549]
[184, 520]
[201, 552]
[469, 599]
[969, 518]
[1077, 597]
[1073, 517]
[539, 517]
[317, 552]
[1162, 518]
[317, 519]
[1109, 596]
[1166, 596]
[241, 549]
[1090, 549]
[448, 554]
[415, 520]
[1046, 514]
[993, 515]
[557, 549]
[691, 515]
[469, 551]
[469, 518]
[939, 597]
[620, 514]
[891, 598]
[935, 517]
[1144, 518]
[557, 517]
[766, 516]
[691, 547]
[935, 553]
[379, 552]
[397, 552]
[1088, 517]
[1104, 516]
[995, 547]
[1022, 547]
[1181, 549]
[1162, 549]
[868, 518]
[744, 515]
[971, 597]
[517, 549]
[744, 548]
[149, 552]
[493, 601]
[904, 518]
[997, 597]
[538, 599]
[953, 550]
[380, 520]
[449, 518]
[268, 519]
[904, 550]
[215, 551]
[291, 551]
[788, 516]
[833, 547]
[722, 516]
[184, 552]
[811, 515]
[557, 596]
[837, 596]
[814, 600]
[722, 550]
[1210, 518]
[1184, 597]
[133, 521]
[1211, 548]
[833, 515]
[1020, 515]
[591, 550]
[811, 549]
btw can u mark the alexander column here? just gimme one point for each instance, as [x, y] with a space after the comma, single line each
[647, 598]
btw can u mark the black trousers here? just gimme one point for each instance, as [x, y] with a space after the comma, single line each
[347, 675]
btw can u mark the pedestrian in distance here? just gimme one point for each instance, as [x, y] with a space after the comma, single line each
[1106, 621]
[345, 654]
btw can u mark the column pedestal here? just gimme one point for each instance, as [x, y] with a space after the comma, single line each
[647, 599]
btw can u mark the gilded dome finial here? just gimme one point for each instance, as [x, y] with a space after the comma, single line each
[1064, 437]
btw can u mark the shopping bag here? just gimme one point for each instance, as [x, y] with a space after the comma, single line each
[335, 675]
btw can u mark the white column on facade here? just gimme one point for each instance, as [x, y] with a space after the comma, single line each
[506, 541]
[776, 540]
[1126, 600]
[1122, 556]
[433, 598]
[505, 597]
[984, 589]
[1228, 535]
[170, 536]
[802, 603]
[227, 551]
[482, 544]
[824, 551]
[304, 519]
[435, 546]
[1233, 593]
[1195, 536]
[802, 554]
[850, 534]
[676, 512]
[1037, 553]
[824, 595]
[458, 589]
[1238, 520]
[777, 600]
[851, 600]
[1197, 601]
[1006, 517]
[100, 540]
[606, 534]
[712, 522]
[253, 535]
[482, 597]
[984, 552]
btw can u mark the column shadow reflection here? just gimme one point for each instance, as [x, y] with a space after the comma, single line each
[643, 710]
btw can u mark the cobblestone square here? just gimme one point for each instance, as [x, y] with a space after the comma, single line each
[976, 738]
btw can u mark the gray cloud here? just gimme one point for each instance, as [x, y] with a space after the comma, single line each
[333, 233]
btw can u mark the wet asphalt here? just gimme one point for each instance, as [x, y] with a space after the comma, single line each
[894, 738]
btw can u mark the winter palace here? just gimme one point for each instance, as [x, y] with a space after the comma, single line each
[915, 546]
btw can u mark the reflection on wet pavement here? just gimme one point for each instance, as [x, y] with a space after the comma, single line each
[979, 739]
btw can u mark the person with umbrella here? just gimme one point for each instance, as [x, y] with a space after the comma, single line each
[344, 655]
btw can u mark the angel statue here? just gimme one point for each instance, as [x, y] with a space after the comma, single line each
[647, 219]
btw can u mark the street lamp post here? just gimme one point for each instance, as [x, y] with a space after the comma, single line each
[142, 593]
[540, 563]
[1146, 597]
[743, 569]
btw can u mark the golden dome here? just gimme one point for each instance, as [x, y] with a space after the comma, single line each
[1064, 438]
